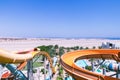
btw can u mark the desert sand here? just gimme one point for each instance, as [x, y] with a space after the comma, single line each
[26, 44]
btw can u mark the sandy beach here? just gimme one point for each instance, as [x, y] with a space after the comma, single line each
[24, 44]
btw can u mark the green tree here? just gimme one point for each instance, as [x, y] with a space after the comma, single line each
[59, 78]
[72, 48]
[94, 47]
[52, 52]
[99, 47]
[61, 51]
[43, 71]
[76, 47]
[68, 49]
[88, 68]
[56, 46]
[87, 48]
[42, 48]
[48, 49]
[81, 48]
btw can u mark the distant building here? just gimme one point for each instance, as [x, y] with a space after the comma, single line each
[108, 45]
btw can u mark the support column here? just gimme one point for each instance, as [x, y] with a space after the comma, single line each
[44, 68]
[104, 71]
[1, 70]
[30, 70]
[92, 65]
[49, 71]
[118, 71]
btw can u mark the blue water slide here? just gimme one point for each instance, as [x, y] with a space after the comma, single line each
[17, 73]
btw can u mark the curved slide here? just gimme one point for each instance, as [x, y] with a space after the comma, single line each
[17, 73]
[8, 57]
[68, 63]
[15, 70]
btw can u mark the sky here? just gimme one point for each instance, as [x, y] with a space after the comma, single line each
[60, 18]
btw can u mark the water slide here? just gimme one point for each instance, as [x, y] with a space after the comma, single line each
[17, 73]
[8, 58]
[68, 60]
[15, 70]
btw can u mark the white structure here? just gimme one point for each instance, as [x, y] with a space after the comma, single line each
[108, 45]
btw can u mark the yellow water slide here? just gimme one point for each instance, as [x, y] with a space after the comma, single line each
[9, 57]
[68, 63]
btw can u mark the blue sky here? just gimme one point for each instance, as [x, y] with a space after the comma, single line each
[59, 18]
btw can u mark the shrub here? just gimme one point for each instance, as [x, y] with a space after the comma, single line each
[59, 78]
[88, 68]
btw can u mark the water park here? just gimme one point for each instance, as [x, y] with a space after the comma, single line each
[61, 63]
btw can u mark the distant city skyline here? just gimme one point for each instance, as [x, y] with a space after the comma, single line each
[60, 18]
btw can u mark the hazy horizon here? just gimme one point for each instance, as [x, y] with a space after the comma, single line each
[112, 38]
